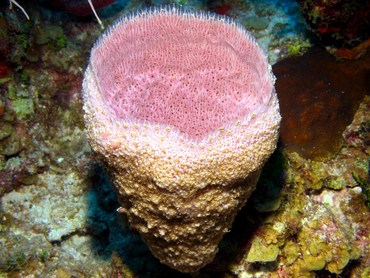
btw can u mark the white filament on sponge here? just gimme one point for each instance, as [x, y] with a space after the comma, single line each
[181, 108]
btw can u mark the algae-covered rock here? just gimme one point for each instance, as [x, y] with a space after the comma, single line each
[10, 145]
[6, 130]
[256, 22]
[260, 251]
[314, 262]
[23, 107]
[291, 252]
[47, 33]
[326, 243]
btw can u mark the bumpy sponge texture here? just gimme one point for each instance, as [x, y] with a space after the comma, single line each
[181, 108]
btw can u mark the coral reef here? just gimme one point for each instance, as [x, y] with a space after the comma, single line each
[180, 133]
[319, 229]
[46, 163]
[340, 24]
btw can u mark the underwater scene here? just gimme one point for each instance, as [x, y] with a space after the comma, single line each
[184, 138]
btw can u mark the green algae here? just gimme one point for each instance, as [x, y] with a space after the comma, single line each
[23, 107]
[297, 47]
[335, 184]
[4, 80]
[12, 92]
[260, 251]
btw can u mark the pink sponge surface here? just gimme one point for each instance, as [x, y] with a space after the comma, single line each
[194, 75]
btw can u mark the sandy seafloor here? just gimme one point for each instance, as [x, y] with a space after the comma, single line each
[308, 218]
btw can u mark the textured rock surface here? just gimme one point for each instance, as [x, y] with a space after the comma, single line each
[319, 94]
[181, 109]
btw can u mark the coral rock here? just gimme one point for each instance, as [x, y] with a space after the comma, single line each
[318, 95]
[181, 109]
[338, 23]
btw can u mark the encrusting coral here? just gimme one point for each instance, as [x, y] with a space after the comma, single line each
[181, 109]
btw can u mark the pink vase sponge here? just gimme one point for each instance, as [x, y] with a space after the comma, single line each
[181, 109]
